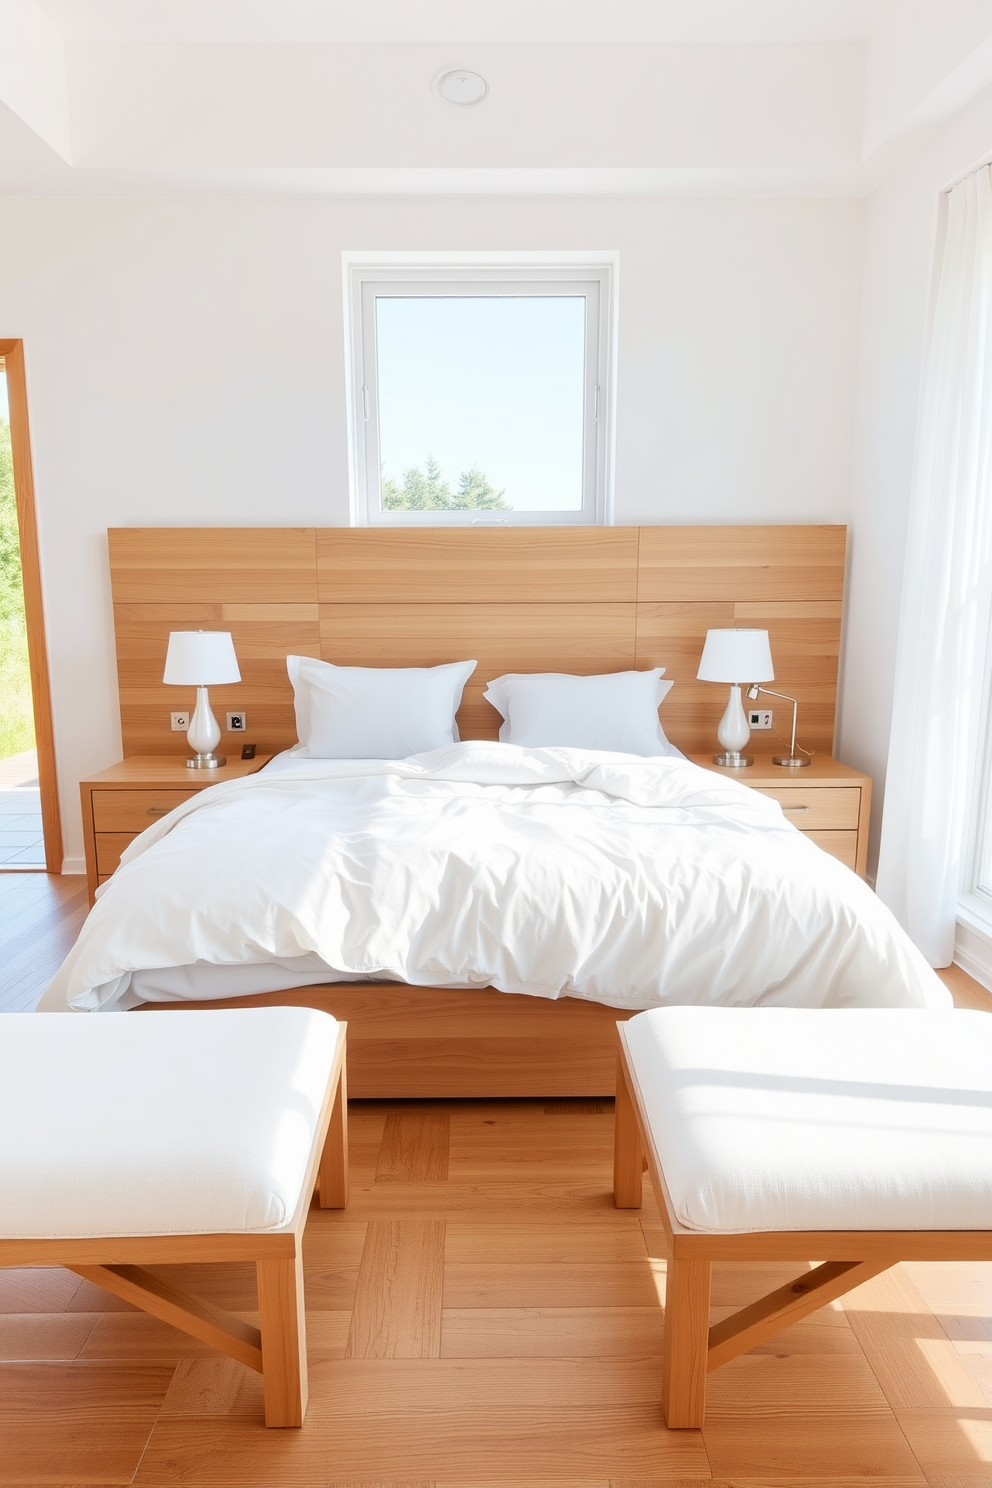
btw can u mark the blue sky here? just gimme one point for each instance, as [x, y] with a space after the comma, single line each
[492, 381]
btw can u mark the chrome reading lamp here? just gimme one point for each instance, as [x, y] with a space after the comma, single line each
[743, 656]
[202, 659]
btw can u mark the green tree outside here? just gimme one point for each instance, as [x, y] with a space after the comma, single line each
[16, 719]
[424, 490]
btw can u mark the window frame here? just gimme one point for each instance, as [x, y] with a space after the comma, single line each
[431, 275]
[974, 901]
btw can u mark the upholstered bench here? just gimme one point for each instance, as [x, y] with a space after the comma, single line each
[858, 1137]
[127, 1142]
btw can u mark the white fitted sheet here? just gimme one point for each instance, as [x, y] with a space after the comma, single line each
[843, 1118]
[184, 1123]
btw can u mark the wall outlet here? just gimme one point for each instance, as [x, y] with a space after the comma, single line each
[180, 722]
[760, 718]
[237, 723]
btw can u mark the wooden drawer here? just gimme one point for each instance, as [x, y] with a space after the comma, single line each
[818, 808]
[134, 810]
[109, 846]
[843, 845]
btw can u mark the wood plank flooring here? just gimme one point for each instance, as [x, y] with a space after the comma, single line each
[481, 1314]
[40, 916]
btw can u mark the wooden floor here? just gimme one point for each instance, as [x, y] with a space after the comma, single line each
[40, 916]
[481, 1314]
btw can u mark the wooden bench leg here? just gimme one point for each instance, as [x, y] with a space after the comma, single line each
[687, 1318]
[284, 1339]
[628, 1154]
[332, 1175]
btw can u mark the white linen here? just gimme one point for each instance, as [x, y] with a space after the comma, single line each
[375, 712]
[202, 982]
[547, 872]
[940, 702]
[840, 1119]
[616, 711]
[184, 1123]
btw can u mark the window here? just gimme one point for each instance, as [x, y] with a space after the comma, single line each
[976, 880]
[973, 934]
[480, 392]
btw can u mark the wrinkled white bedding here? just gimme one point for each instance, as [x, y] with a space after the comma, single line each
[550, 872]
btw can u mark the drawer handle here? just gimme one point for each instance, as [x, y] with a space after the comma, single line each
[795, 808]
[164, 810]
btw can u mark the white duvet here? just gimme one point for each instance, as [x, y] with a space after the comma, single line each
[550, 872]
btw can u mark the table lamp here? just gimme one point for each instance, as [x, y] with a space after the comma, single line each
[735, 656]
[792, 760]
[202, 659]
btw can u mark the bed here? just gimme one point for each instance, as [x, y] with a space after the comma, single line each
[578, 600]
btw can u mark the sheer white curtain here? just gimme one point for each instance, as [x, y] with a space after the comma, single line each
[947, 591]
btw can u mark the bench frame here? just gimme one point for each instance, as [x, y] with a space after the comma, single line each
[278, 1348]
[691, 1347]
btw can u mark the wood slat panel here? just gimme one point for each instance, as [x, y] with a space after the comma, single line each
[517, 599]
[741, 563]
[213, 565]
[805, 644]
[502, 638]
[270, 728]
[264, 635]
[519, 565]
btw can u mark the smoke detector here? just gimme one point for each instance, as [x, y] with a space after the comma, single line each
[462, 88]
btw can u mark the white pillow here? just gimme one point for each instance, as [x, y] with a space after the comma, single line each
[616, 712]
[375, 712]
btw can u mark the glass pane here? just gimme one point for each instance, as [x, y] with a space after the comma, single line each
[481, 401]
[984, 874]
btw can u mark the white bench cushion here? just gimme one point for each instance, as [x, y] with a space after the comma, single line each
[796, 1119]
[158, 1123]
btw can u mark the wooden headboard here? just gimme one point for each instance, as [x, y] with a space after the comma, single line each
[572, 599]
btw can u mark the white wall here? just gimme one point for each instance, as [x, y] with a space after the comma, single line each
[900, 232]
[185, 365]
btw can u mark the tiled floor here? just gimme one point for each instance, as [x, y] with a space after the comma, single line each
[21, 840]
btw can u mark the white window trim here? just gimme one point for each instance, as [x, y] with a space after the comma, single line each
[480, 269]
[973, 933]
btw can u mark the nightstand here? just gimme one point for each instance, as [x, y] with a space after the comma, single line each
[828, 801]
[124, 800]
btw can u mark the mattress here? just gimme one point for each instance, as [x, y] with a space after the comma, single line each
[542, 872]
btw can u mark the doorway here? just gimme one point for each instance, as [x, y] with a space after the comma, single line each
[30, 835]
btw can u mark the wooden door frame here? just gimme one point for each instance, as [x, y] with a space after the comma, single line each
[34, 611]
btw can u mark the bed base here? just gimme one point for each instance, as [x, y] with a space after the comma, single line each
[436, 1043]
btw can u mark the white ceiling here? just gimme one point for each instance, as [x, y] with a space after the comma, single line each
[522, 21]
[179, 96]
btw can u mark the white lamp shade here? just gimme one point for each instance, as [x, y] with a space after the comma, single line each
[736, 656]
[201, 658]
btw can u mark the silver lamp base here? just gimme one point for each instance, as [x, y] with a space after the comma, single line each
[791, 761]
[732, 760]
[206, 761]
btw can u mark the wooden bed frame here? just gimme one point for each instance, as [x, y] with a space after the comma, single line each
[576, 599]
